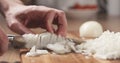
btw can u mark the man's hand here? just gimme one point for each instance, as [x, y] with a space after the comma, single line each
[3, 42]
[20, 18]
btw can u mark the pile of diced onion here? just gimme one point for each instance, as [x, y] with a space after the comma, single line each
[107, 46]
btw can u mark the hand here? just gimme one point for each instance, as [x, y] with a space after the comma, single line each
[3, 42]
[20, 18]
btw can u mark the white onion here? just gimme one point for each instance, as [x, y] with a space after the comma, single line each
[36, 52]
[107, 46]
[41, 40]
[91, 29]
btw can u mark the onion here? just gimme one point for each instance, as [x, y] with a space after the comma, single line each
[90, 29]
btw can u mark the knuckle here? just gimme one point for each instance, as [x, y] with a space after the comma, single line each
[62, 13]
[52, 11]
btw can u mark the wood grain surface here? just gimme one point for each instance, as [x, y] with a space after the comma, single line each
[11, 56]
[66, 58]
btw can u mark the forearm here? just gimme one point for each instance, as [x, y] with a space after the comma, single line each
[5, 5]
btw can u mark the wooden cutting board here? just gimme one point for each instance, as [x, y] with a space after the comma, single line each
[66, 58]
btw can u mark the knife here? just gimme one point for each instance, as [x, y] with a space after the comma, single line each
[16, 41]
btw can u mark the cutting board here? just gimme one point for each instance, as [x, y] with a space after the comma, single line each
[66, 58]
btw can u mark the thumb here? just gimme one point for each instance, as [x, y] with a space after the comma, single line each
[18, 27]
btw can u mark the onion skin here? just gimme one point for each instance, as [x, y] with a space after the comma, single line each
[90, 29]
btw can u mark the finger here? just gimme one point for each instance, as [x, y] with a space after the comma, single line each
[62, 24]
[3, 43]
[17, 27]
[49, 19]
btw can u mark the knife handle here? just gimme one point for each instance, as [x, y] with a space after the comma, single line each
[17, 41]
